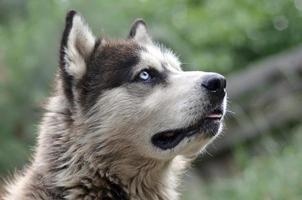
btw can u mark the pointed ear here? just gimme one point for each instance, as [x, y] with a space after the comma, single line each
[76, 45]
[139, 32]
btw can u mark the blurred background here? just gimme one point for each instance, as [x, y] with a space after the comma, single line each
[256, 44]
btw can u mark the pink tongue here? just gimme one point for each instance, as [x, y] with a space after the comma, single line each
[214, 116]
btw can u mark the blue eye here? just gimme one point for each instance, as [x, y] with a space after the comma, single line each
[144, 75]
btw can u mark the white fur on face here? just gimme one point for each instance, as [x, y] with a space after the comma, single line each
[173, 106]
[156, 56]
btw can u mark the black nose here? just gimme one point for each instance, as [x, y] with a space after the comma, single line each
[214, 82]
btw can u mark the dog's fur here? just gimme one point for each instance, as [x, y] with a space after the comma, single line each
[95, 139]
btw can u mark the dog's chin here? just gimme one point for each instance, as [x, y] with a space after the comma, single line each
[206, 128]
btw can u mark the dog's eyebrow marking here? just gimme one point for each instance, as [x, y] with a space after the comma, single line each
[168, 70]
[164, 66]
[162, 54]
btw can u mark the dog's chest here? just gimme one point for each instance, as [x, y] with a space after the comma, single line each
[101, 189]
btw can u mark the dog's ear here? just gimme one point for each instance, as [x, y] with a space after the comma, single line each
[76, 46]
[139, 32]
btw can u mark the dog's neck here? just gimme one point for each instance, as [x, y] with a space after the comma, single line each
[141, 178]
[89, 165]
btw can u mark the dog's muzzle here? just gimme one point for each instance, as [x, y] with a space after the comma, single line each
[214, 85]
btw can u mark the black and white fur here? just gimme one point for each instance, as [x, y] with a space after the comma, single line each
[123, 123]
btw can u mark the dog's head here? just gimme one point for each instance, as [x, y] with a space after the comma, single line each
[135, 91]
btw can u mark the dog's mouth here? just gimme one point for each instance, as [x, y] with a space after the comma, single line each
[207, 125]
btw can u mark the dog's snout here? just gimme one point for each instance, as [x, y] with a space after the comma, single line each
[214, 82]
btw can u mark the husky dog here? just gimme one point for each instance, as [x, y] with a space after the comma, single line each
[123, 122]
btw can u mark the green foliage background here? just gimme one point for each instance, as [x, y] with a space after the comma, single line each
[210, 35]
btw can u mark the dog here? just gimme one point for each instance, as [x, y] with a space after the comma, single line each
[124, 120]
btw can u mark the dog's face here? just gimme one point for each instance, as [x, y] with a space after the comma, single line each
[135, 91]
